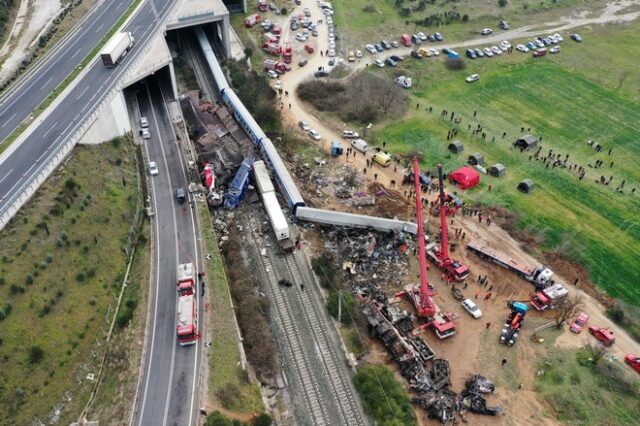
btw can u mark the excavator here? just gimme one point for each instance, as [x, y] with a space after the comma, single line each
[421, 295]
[440, 255]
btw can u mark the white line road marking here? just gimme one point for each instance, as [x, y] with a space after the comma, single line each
[10, 118]
[50, 129]
[82, 93]
[75, 54]
[7, 175]
[46, 83]
[99, 28]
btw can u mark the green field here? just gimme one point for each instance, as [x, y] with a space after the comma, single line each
[61, 266]
[584, 221]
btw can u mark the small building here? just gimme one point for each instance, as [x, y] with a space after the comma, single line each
[527, 142]
[526, 186]
[336, 149]
[456, 147]
[497, 170]
[465, 178]
[476, 159]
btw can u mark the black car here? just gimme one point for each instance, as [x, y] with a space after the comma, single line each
[397, 58]
[479, 53]
[471, 54]
[438, 36]
[320, 73]
[432, 37]
[391, 62]
[445, 50]
[181, 195]
[415, 54]
[379, 47]
[386, 44]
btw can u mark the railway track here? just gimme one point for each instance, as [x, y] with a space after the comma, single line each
[317, 371]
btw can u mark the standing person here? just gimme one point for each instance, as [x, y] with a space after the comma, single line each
[488, 325]
[477, 293]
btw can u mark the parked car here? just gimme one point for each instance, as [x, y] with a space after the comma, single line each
[314, 33]
[385, 44]
[358, 53]
[314, 135]
[391, 62]
[558, 37]
[422, 36]
[416, 54]
[397, 58]
[434, 52]
[539, 43]
[332, 62]
[576, 37]
[379, 48]
[332, 53]
[432, 37]
[539, 53]
[301, 37]
[272, 74]
[504, 25]
[371, 49]
[350, 134]
[438, 37]
[416, 39]
[471, 54]
[532, 46]
[554, 49]
[479, 53]
[522, 48]
[394, 43]
[472, 78]
[486, 31]
[487, 51]
[633, 361]
[578, 324]
[153, 168]
[144, 133]
[144, 123]
[181, 195]
[360, 145]
[378, 63]
[278, 84]
[304, 126]
[470, 306]
[321, 73]
[303, 62]
[496, 50]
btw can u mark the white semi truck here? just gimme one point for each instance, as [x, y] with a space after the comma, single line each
[117, 48]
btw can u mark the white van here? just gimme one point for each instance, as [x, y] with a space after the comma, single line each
[360, 145]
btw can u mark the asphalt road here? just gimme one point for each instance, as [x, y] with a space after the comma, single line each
[167, 390]
[27, 159]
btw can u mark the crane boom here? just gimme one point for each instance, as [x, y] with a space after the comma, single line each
[425, 294]
[444, 239]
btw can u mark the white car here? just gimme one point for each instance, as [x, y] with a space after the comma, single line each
[278, 85]
[371, 49]
[522, 48]
[487, 52]
[486, 31]
[144, 123]
[332, 53]
[434, 52]
[378, 63]
[558, 37]
[329, 20]
[472, 78]
[554, 49]
[422, 36]
[496, 50]
[358, 53]
[304, 126]
[332, 45]
[301, 37]
[314, 135]
[327, 12]
[144, 133]
[472, 308]
[272, 74]
[153, 168]
[349, 134]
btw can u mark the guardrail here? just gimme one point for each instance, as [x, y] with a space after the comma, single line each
[25, 191]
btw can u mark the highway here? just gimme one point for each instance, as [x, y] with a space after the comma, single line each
[167, 391]
[27, 159]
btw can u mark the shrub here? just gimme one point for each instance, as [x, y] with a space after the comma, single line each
[502, 3]
[263, 420]
[349, 306]
[229, 395]
[218, 419]
[81, 277]
[2, 281]
[456, 64]
[29, 279]
[123, 318]
[36, 353]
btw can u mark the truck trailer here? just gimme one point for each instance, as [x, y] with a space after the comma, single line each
[116, 49]
[186, 279]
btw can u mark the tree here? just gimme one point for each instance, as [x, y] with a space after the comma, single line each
[36, 353]
[502, 3]
[596, 353]
[456, 64]
[248, 52]
[263, 420]
[567, 308]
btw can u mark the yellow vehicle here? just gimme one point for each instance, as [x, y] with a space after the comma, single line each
[382, 159]
[424, 52]
[352, 56]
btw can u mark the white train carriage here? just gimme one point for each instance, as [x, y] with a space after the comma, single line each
[263, 181]
[215, 68]
[285, 182]
[276, 217]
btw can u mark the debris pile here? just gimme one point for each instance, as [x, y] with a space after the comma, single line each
[473, 396]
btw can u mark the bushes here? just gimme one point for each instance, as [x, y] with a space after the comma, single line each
[383, 397]
[36, 353]
[627, 317]
[349, 306]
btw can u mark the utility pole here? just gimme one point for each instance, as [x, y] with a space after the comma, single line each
[339, 305]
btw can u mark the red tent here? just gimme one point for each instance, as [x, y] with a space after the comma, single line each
[465, 177]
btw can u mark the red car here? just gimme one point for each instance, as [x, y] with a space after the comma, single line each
[578, 324]
[539, 53]
[633, 361]
[308, 48]
[603, 334]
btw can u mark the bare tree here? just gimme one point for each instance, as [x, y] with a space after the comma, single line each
[388, 95]
[567, 308]
[596, 352]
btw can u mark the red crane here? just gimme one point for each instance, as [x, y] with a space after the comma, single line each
[442, 324]
[454, 268]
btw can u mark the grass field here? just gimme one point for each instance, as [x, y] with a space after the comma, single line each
[62, 263]
[582, 394]
[584, 221]
[224, 354]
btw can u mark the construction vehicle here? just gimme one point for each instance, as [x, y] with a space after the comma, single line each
[440, 255]
[540, 276]
[117, 48]
[287, 54]
[633, 361]
[186, 281]
[548, 298]
[272, 48]
[279, 67]
[187, 328]
[511, 328]
[603, 334]
[421, 295]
